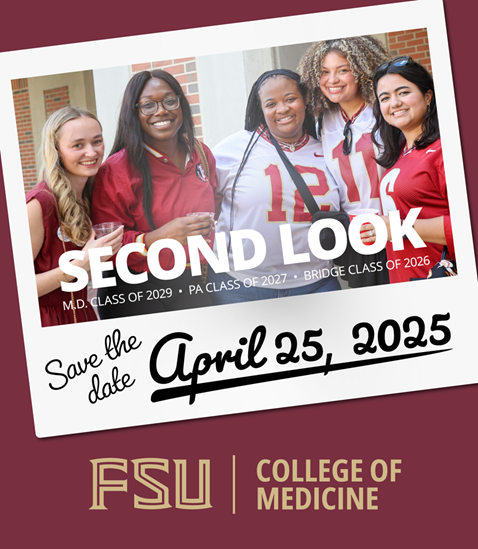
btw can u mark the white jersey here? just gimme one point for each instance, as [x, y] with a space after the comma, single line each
[265, 198]
[357, 174]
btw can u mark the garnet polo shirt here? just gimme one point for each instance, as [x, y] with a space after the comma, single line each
[118, 196]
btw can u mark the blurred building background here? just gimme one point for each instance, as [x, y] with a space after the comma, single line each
[217, 87]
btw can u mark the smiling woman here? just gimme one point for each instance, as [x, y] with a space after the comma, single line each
[283, 108]
[338, 77]
[156, 175]
[160, 128]
[407, 120]
[58, 211]
[403, 105]
[259, 194]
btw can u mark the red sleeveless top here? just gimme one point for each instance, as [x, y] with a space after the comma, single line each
[56, 307]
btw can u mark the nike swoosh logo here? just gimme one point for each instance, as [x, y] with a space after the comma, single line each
[430, 151]
[319, 155]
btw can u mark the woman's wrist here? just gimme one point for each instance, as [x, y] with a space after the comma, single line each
[64, 277]
[82, 263]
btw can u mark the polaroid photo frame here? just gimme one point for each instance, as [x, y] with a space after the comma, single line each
[252, 356]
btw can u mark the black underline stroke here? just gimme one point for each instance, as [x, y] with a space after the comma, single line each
[210, 386]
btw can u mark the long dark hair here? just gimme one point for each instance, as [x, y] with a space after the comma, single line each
[129, 135]
[255, 119]
[391, 136]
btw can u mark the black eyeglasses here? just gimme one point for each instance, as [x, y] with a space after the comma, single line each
[397, 62]
[151, 106]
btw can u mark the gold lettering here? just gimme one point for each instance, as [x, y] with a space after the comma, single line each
[260, 476]
[371, 498]
[308, 478]
[356, 469]
[325, 502]
[203, 499]
[298, 497]
[336, 473]
[373, 470]
[273, 498]
[393, 469]
[295, 478]
[275, 474]
[323, 470]
[287, 496]
[101, 485]
[351, 495]
[161, 501]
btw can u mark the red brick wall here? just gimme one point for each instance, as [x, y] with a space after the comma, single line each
[21, 100]
[55, 99]
[413, 43]
[185, 72]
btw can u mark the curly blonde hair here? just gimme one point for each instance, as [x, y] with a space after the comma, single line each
[364, 53]
[73, 214]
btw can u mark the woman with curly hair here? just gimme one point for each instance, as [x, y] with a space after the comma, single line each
[58, 211]
[156, 174]
[338, 75]
[259, 194]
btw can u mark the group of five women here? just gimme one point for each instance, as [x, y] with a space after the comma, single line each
[360, 129]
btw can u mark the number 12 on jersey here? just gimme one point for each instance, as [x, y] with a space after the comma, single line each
[278, 213]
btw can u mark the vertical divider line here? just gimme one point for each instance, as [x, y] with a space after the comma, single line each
[233, 484]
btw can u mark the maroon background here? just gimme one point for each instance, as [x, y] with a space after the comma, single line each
[46, 484]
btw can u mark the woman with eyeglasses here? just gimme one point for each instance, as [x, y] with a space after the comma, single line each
[338, 75]
[156, 174]
[259, 194]
[58, 211]
[406, 117]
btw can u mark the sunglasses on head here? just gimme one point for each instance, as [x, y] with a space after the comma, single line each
[397, 62]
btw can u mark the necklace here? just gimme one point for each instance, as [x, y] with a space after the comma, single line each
[355, 116]
[291, 147]
[288, 147]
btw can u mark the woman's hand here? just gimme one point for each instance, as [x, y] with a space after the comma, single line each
[51, 280]
[365, 229]
[429, 230]
[114, 239]
[180, 228]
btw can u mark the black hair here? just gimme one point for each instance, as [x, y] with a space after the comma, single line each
[129, 135]
[254, 112]
[393, 138]
[255, 119]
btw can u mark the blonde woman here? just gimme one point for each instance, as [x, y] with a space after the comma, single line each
[338, 76]
[58, 210]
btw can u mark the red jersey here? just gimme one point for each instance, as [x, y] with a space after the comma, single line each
[118, 196]
[417, 180]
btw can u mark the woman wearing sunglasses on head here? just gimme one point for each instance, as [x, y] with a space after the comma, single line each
[58, 212]
[338, 78]
[259, 194]
[156, 174]
[407, 120]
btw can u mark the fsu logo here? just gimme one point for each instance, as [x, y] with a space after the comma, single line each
[200, 173]
[159, 499]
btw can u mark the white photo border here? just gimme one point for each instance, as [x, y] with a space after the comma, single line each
[68, 410]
